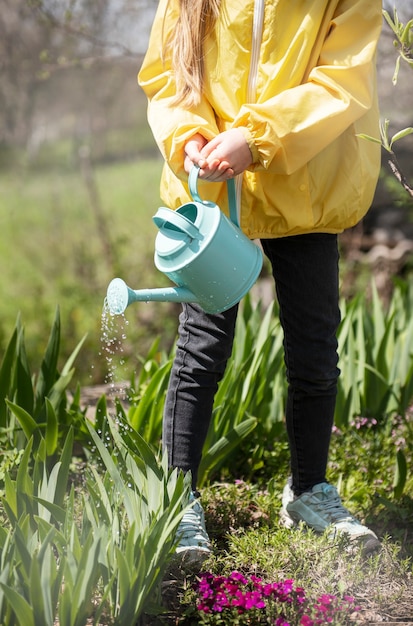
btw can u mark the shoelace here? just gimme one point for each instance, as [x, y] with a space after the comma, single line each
[332, 507]
[191, 523]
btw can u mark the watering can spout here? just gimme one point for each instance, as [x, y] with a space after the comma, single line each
[119, 296]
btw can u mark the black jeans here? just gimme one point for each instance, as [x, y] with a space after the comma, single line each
[305, 270]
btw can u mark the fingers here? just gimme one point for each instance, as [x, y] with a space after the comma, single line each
[214, 171]
[193, 149]
[224, 157]
[217, 176]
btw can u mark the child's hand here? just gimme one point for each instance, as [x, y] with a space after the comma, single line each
[193, 149]
[227, 155]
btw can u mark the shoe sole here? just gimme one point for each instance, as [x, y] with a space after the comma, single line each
[286, 520]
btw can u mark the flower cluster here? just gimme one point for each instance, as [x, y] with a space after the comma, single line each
[236, 599]
[360, 422]
[219, 592]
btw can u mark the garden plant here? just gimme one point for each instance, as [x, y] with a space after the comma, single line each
[90, 510]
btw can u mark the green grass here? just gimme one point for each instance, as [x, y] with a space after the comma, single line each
[56, 256]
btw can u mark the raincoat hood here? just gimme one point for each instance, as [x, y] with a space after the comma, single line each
[298, 78]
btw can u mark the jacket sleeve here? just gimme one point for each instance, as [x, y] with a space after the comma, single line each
[286, 131]
[171, 125]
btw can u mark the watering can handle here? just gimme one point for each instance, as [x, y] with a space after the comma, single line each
[232, 198]
[166, 216]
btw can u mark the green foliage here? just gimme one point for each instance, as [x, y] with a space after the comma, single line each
[57, 551]
[36, 406]
[101, 554]
[376, 356]
[147, 500]
[403, 40]
[376, 381]
[33, 503]
[147, 393]
[129, 517]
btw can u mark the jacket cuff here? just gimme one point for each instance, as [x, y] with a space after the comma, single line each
[249, 138]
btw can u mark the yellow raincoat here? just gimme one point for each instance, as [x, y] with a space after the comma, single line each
[298, 77]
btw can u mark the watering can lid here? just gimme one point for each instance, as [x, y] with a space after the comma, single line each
[171, 245]
[176, 232]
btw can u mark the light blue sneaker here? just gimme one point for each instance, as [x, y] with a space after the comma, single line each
[194, 544]
[321, 509]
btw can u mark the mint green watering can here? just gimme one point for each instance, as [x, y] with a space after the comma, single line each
[204, 253]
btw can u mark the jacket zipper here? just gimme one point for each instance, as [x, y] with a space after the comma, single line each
[257, 26]
[256, 47]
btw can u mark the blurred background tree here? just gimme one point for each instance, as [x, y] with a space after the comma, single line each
[66, 66]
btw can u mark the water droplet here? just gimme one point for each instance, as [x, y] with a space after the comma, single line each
[113, 334]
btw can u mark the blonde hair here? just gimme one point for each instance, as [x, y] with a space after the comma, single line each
[186, 47]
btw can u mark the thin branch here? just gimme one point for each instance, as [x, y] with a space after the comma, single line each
[395, 168]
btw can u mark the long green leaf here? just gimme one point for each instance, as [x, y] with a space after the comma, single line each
[20, 606]
[6, 376]
[24, 395]
[212, 457]
[406, 392]
[52, 428]
[146, 417]
[101, 415]
[400, 474]
[28, 424]
[87, 576]
[23, 545]
[48, 368]
[24, 480]
[64, 469]
[58, 390]
[39, 590]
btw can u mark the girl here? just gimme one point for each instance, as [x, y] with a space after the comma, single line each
[276, 94]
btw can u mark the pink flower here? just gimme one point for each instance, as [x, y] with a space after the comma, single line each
[236, 593]
[238, 577]
[253, 600]
[221, 601]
